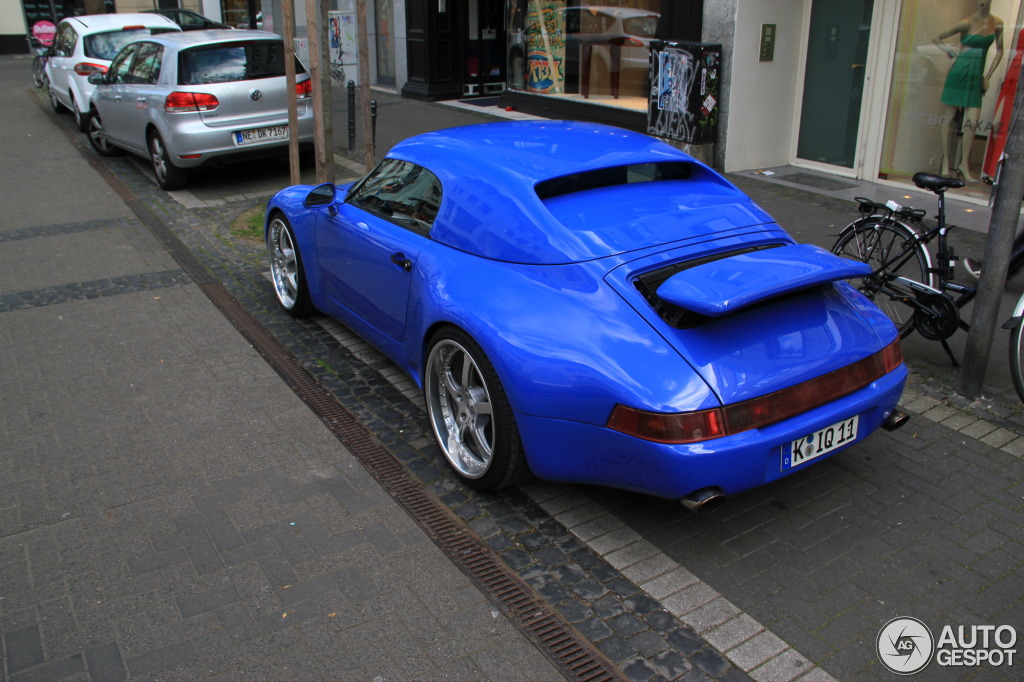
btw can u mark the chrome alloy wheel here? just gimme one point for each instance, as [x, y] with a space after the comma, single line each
[284, 266]
[158, 154]
[460, 409]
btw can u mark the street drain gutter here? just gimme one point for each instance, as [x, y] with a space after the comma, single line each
[571, 653]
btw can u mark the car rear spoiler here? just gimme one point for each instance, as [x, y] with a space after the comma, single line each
[724, 286]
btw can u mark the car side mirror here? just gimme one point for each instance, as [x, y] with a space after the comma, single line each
[97, 78]
[321, 195]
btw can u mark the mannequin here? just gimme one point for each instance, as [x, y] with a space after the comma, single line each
[968, 78]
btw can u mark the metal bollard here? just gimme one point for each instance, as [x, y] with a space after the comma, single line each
[351, 115]
[373, 121]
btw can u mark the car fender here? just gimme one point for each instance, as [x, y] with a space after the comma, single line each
[563, 343]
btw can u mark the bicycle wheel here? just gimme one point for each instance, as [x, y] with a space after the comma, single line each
[39, 71]
[890, 249]
[1016, 326]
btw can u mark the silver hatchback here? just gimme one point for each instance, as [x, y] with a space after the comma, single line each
[185, 100]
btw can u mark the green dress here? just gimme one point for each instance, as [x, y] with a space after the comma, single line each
[964, 81]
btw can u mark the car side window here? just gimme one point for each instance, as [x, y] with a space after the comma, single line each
[400, 192]
[121, 66]
[147, 63]
[66, 41]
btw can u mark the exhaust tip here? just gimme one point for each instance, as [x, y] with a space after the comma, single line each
[895, 420]
[704, 500]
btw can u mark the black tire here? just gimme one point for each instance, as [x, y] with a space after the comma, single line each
[286, 270]
[470, 414]
[98, 136]
[881, 243]
[168, 176]
[1016, 347]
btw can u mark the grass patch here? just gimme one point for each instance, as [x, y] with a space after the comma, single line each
[248, 226]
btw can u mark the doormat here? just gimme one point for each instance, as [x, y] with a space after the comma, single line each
[481, 101]
[817, 181]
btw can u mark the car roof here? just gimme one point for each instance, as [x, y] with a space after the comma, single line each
[489, 173]
[211, 36]
[95, 23]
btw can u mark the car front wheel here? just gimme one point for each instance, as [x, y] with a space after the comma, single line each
[168, 176]
[286, 269]
[470, 413]
[98, 136]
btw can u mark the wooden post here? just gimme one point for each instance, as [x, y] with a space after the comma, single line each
[364, 84]
[328, 93]
[315, 35]
[998, 247]
[288, 10]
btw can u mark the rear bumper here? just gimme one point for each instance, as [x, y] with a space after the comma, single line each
[559, 450]
[187, 136]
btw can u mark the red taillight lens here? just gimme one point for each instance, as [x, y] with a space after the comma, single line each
[304, 89]
[177, 102]
[691, 427]
[86, 68]
[686, 427]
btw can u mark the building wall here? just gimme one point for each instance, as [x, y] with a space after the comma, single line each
[763, 98]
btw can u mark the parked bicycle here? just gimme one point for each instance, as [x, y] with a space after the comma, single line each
[915, 292]
[41, 54]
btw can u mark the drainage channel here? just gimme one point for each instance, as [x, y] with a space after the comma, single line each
[571, 653]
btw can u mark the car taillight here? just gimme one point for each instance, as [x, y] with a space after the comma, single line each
[692, 427]
[304, 89]
[177, 102]
[86, 68]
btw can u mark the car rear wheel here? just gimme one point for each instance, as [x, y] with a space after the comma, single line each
[470, 413]
[98, 136]
[286, 269]
[54, 102]
[168, 176]
[81, 119]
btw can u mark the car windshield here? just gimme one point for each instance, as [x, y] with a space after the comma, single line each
[230, 62]
[107, 45]
[646, 27]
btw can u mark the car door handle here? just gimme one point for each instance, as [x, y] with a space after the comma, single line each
[401, 261]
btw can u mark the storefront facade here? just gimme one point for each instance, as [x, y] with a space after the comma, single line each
[867, 88]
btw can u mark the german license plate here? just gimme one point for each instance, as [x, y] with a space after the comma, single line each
[243, 137]
[819, 443]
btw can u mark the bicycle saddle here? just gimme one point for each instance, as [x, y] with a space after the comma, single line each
[936, 183]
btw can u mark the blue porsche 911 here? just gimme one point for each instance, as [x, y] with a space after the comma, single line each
[592, 305]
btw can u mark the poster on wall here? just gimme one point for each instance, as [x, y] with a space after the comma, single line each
[684, 99]
[343, 47]
[545, 47]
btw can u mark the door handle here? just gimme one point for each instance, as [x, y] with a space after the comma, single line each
[401, 261]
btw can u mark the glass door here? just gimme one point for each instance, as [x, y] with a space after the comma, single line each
[834, 79]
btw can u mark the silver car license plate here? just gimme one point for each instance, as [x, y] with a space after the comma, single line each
[255, 135]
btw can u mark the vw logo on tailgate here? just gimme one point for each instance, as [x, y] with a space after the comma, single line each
[255, 95]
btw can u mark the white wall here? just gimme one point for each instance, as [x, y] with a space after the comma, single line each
[12, 20]
[763, 96]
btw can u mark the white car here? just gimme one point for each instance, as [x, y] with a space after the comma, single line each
[86, 45]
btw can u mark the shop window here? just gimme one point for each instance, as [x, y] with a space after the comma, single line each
[596, 52]
[951, 91]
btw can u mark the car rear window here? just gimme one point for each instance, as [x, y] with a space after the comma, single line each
[232, 62]
[107, 45]
[615, 175]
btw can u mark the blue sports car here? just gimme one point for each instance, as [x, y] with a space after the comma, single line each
[592, 305]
